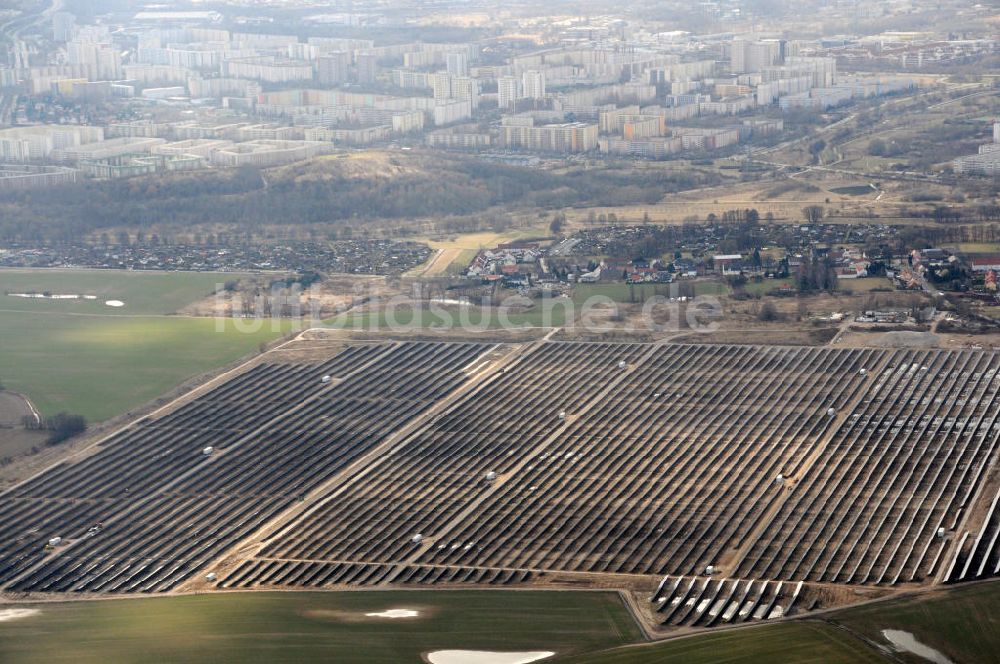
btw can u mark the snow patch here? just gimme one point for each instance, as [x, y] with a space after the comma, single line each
[905, 642]
[394, 613]
[15, 614]
[486, 657]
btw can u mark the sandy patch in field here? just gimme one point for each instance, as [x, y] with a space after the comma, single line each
[15, 614]
[486, 657]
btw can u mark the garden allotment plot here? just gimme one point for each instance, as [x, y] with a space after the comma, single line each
[727, 483]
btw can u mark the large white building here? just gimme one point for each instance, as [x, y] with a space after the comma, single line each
[269, 153]
[333, 68]
[507, 92]
[986, 161]
[457, 64]
[447, 87]
[562, 137]
[115, 147]
[63, 26]
[451, 111]
[268, 69]
[533, 84]
[750, 56]
[23, 144]
[101, 60]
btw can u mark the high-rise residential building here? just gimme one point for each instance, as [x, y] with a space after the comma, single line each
[463, 87]
[267, 69]
[367, 67]
[63, 26]
[36, 142]
[441, 85]
[565, 137]
[102, 60]
[457, 63]
[752, 56]
[333, 68]
[507, 92]
[451, 111]
[533, 84]
[447, 87]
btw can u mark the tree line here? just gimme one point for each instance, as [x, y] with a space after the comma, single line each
[457, 186]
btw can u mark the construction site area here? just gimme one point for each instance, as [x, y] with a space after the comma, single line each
[710, 484]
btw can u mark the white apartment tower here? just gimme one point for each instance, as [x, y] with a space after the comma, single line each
[333, 68]
[463, 87]
[63, 26]
[747, 56]
[507, 92]
[533, 84]
[441, 84]
[102, 59]
[458, 64]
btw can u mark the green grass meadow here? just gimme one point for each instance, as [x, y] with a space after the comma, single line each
[792, 643]
[961, 622]
[103, 366]
[142, 292]
[84, 357]
[314, 627]
[448, 317]
[622, 292]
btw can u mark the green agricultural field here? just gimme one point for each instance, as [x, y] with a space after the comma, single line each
[142, 292]
[789, 643]
[85, 357]
[406, 317]
[855, 190]
[765, 286]
[963, 623]
[622, 292]
[864, 284]
[103, 366]
[313, 627]
[979, 247]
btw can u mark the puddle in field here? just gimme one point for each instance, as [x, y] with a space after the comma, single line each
[905, 642]
[486, 657]
[15, 614]
[394, 613]
[51, 296]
